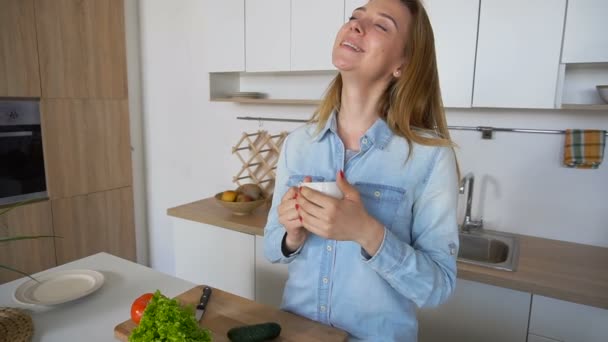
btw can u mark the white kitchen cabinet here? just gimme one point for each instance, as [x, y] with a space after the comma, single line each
[225, 35]
[477, 313]
[314, 24]
[518, 53]
[536, 338]
[350, 6]
[566, 321]
[219, 257]
[585, 38]
[455, 29]
[269, 278]
[267, 35]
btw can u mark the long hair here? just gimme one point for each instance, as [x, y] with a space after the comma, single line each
[411, 104]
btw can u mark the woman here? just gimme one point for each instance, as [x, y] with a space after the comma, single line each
[363, 263]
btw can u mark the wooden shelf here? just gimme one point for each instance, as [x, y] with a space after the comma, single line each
[268, 101]
[585, 106]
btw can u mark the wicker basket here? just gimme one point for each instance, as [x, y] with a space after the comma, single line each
[15, 325]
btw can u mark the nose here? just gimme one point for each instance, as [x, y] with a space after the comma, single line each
[356, 27]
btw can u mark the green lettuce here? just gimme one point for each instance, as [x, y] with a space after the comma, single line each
[164, 319]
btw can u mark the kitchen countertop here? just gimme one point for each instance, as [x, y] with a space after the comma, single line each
[98, 316]
[563, 270]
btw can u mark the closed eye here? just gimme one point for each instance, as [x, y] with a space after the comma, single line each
[352, 18]
[381, 27]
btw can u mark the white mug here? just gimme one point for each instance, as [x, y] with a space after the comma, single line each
[328, 188]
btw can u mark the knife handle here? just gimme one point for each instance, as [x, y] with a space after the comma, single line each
[204, 298]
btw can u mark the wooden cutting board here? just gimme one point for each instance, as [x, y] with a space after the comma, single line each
[225, 311]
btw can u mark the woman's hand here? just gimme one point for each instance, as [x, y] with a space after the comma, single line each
[290, 219]
[344, 219]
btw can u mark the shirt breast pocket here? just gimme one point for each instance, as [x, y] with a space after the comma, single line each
[295, 180]
[381, 201]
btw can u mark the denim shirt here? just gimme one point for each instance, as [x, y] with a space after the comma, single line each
[373, 298]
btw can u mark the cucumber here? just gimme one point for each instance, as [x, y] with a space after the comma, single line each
[255, 332]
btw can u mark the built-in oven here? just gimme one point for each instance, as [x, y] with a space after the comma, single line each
[22, 175]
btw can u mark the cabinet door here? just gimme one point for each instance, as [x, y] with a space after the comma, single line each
[350, 6]
[269, 278]
[455, 28]
[477, 313]
[568, 322]
[225, 33]
[518, 53]
[99, 222]
[585, 38]
[218, 257]
[82, 48]
[314, 25]
[19, 75]
[86, 146]
[29, 256]
[267, 32]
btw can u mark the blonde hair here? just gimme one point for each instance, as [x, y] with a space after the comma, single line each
[411, 104]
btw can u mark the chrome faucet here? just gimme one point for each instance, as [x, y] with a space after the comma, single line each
[469, 224]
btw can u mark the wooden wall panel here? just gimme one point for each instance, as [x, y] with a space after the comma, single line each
[82, 48]
[28, 256]
[86, 145]
[19, 76]
[99, 222]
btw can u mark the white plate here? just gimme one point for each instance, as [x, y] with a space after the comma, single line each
[59, 287]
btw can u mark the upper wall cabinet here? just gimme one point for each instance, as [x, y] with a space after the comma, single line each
[518, 53]
[267, 35]
[585, 38]
[18, 54]
[82, 48]
[455, 41]
[225, 35]
[314, 25]
[282, 35]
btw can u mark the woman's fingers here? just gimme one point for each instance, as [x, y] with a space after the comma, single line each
[318, 198]
[314, 224]
[290, 194]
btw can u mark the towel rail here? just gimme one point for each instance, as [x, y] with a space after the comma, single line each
[486, 131]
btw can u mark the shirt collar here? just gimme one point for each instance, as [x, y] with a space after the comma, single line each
[379, 134]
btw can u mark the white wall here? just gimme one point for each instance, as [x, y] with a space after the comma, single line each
[521, 186]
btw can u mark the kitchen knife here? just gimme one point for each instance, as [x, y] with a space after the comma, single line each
[200, 308]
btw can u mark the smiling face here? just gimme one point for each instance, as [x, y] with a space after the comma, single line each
[372, 43]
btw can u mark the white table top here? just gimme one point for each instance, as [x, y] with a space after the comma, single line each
[93, 318]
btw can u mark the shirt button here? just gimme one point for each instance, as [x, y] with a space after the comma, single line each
[323, 308]
[377, 193]
[325, 280]
[364, 141]
[328, 248]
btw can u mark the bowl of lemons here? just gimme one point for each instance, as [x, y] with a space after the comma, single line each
[242, 201]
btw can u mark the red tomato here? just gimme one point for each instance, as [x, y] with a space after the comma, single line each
[139, 305]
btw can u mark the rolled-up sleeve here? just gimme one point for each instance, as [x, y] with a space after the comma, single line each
[274, 230]
[425, 271]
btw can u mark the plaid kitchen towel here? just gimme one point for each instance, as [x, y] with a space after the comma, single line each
[584, 148]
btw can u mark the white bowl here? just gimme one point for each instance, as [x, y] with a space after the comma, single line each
[328, 188]
[603, 91]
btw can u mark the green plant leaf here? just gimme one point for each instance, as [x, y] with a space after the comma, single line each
[16, 205]
[17, 271]
[14, 238]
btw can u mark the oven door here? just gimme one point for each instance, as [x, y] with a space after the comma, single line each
[22, 175]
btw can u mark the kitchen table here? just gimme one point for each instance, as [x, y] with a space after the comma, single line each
[93, 318]
[101, 315]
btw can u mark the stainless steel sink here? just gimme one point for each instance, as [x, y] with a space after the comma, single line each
[490, 249]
